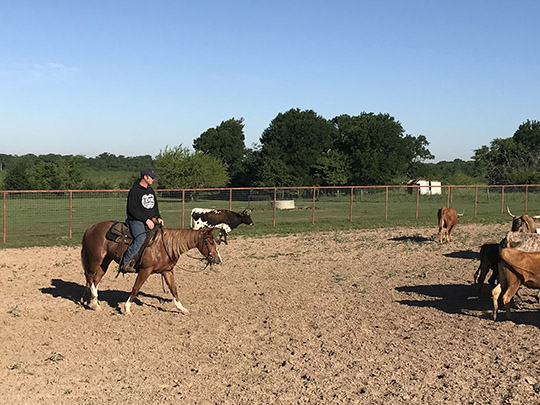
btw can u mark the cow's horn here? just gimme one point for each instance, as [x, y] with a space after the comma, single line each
[460, 215]
[509, 213]
[536, 216]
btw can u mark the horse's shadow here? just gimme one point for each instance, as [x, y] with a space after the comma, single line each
[77, 293]
[464, 254]
[463, 299]
[414, 238]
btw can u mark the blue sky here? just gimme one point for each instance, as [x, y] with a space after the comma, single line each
[133, 77]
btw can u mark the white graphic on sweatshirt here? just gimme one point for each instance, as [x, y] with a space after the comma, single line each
[148, 201]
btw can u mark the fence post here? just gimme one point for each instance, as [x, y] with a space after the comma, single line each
[5, 194]
[417, 200]
[448, 197]
[386, 205]
[475, 200]
[350, 209]
[230, 199]
[313, 208]
[70, 214]
[526, 197]
[275, 198]
[502, 200]
[183, 206]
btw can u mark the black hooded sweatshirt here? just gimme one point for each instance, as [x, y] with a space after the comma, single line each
[142, 203]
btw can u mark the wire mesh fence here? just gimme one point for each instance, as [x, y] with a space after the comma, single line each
[56, 217]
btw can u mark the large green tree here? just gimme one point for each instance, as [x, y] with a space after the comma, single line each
[225, 142]
[63, 173]
[177, 167]
[377, 148]
[291, 147]
[528, 135]
[514, 160]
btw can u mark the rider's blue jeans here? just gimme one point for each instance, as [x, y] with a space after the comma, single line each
[138, 231]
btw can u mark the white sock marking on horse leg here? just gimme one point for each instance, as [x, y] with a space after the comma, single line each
[127, 307]
[180, 307]
[94, 291]
[94, 303]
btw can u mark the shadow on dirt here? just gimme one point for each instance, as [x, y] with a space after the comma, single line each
[463, 299]
[414, 239]
[464, 254]
[74, 292]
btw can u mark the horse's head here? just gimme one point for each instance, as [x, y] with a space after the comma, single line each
[208, 247]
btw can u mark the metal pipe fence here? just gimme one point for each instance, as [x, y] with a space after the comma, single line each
[34, 217]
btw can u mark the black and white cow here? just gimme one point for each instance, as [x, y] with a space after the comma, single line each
[224, 220]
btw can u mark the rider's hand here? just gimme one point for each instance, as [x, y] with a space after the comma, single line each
[150, 224]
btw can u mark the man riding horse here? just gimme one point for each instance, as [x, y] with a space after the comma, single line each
[141, 209]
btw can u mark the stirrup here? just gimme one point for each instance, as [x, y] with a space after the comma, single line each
[128, 267]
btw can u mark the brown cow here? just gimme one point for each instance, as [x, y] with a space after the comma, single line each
[489, 259]
[517, 268]
[448, 219]
[523, 223]
[521, 237]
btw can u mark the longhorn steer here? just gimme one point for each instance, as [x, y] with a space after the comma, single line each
[523, 223]
[224, 220]
[520, 242]
[517, 268]
[489, 259]
[448, 219]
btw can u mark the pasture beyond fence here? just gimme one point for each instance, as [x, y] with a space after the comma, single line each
[32, 218]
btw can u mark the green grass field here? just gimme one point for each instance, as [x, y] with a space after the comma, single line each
[43, 218]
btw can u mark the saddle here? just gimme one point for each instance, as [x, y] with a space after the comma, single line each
[121, 234]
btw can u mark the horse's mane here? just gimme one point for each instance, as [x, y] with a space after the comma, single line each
[178, 241]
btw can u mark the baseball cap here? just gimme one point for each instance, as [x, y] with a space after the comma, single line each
[148, 172]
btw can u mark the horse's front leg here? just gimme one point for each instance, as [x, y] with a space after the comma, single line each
[169, 279]
[142, 276]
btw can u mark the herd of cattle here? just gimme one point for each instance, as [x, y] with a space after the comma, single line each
[514, 261]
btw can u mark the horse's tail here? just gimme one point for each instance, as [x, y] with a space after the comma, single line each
[85, 259]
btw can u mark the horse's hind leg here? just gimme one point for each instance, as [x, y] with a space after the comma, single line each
[169, 279]
[94, 274]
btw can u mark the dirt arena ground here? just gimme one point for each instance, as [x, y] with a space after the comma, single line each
[377, 317]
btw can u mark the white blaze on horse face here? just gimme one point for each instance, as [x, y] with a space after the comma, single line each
[221, 260]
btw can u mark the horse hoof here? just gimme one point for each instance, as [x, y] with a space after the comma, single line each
[127, 308]
[94, 305]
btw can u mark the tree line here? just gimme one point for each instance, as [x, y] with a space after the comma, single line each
[299, 148]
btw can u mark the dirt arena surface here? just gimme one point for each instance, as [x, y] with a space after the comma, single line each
[377, 317]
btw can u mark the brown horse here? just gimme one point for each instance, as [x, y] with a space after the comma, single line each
[160, 257]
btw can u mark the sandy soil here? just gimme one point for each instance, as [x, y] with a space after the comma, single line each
[385, 316]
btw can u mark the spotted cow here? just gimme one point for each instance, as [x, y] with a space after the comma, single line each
[225, 220]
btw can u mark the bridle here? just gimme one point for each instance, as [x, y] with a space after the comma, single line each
[210, 259]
